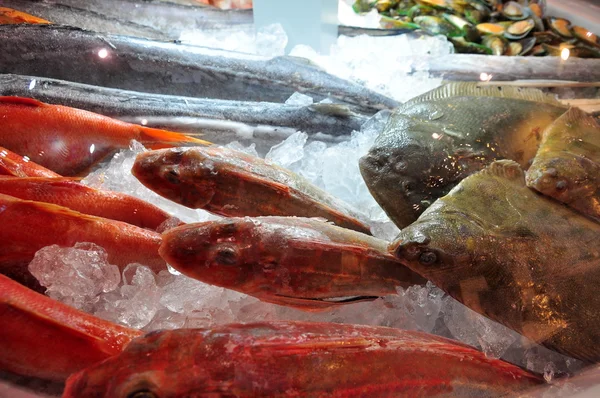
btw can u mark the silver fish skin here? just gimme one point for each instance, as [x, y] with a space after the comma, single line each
[435, 140]
[219, 121]
[63, 14]
[517, 257]
[170, 18]
[154, 19]
[169, 68]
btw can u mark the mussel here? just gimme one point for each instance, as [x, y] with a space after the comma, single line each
[499, 27]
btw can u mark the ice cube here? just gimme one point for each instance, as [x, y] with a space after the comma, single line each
[186, 294]
[237, 146]
[136, 302]
[299, 99]
[289, 151]
[311, 166]
[165, 319]
[75, 275]
[494, 338]
[271, 40]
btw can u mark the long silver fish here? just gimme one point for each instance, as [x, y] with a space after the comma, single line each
[517, 257]
[220, 121]
[154, 19]
[168, 68]
[435, 140]
[64, 14]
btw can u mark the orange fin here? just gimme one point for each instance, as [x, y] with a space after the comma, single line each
[21, 101]
[167, 138]
[10, 16]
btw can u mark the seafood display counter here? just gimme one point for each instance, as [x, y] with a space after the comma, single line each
[190, 208]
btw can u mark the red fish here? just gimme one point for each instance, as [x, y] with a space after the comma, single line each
[298, 360]
[44, 338]
[27, 226]
[68, 140]
[15, 165]
[95, 202]
[299, 262]
[10, 16]
[234, 184]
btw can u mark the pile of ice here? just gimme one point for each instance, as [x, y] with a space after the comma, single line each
[392, 65]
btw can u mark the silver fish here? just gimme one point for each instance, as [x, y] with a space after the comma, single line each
[220, 121]
[168, 68]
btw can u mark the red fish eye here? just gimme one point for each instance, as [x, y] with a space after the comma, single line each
[226, 256]
[172, 176]
[142, 394]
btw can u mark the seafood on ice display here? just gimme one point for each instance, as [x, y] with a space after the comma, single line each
[337, 252]
[498, 27]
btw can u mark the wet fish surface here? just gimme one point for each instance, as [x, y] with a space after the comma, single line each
[517, 257]
[154, 19]
[13, 164]
[298, 359]
[27, 226]
[437, 139]
[44, 338]
[165, 19]
[219, 121]
[69, 141]
[299, 262]
[96, 202]
[233, 184]
[168, 68]
[567, 165]
[61, 14]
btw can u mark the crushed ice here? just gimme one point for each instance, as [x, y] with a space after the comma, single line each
[392, 65]
[268, 41]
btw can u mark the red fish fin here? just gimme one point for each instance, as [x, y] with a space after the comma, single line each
[21, 101]
[167, 138]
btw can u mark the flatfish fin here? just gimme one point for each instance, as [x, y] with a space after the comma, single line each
[505, 168]
[474, 89]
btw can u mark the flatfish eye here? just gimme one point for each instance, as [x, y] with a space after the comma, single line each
[428, 258]
[561, 185]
